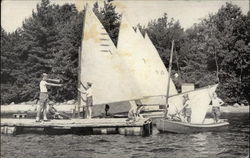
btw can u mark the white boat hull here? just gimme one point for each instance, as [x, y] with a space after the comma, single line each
[164, 125]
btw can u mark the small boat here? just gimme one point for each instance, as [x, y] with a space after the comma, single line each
[171, 126]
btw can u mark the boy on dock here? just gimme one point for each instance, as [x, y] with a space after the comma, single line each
[43, 98]
[89, 101]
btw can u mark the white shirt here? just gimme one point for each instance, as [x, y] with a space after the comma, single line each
[217, 102]
[89, 92]
[187, 104]
[43, 87]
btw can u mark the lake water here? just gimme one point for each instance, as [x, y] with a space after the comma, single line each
[233, 143]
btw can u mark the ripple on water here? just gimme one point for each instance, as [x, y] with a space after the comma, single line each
[231, 143]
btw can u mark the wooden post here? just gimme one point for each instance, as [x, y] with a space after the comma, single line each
[169, 71]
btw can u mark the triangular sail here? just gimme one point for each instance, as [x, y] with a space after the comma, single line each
[158, 70]
[130, 50]
[101, 65]
[199, 99]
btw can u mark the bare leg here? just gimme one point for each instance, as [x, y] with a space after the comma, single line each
[90, 112]
[87, 112]
[38, 112]
[45, 111]
[188, 119]
[216, 118]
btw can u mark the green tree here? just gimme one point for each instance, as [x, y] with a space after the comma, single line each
[65, 64]
[48, 42]
[109, 18]
[218, 50]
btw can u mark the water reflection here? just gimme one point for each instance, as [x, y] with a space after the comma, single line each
[229, 144]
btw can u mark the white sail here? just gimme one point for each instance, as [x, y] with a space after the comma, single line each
[101, 65]
[133, 51]
[159, 71]
[199, 99]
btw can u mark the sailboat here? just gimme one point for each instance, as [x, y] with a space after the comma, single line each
[132, 72]
[120, 75]
[200, 98]
[199, 102]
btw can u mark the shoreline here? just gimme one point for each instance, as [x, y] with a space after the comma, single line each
[232, 109]
[19, 108]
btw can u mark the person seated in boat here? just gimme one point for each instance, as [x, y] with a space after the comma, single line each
[107, 110]
[89, 102]
[216, 103]
[187, 111]
[132, 114]
[43, 98]
[106, 114]
[166, 112]
[140, 107]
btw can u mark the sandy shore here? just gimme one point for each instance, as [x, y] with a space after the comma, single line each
[32, 108]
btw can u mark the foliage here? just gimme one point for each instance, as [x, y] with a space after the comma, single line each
[110, 19]
[214, 50]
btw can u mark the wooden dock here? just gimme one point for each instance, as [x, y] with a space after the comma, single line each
[142, 127]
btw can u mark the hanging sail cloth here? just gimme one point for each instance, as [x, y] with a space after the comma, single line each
[199, 99]
[132, 50]
[159, 71]
[101, 65]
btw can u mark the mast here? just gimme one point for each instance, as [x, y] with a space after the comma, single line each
[79, 67]
[169, 71]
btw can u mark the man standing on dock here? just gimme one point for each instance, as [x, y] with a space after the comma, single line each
[43, 98]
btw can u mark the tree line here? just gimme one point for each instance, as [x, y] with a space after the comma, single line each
[216, 50]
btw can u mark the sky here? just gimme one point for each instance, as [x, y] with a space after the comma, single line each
[188, 12]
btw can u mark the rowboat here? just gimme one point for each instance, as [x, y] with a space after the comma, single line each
[171, 126]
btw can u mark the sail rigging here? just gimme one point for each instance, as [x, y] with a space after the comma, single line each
[159, 70]
[101, 65]
[199, 98]
[131, 49]
[132, 71]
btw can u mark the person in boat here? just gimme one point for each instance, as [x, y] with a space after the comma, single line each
[166, 112]
[43, 98]
[216, 103]
[133, 111]
[106, 114]
[89, 102]
[107, 110]
[187, 111]
[140, 108]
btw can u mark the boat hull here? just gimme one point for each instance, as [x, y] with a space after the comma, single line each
[164, 125]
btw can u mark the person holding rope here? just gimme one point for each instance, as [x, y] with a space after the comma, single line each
[43, 98]
[89, 95]
[216, 103]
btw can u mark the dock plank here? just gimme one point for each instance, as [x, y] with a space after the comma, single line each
[108, 122]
